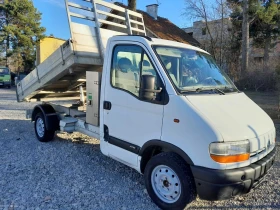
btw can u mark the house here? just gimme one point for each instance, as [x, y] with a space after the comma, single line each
[199, 31]
[46, 47]
[159, 27]
[256, 55]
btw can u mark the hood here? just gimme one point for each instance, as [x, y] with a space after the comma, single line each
[235, 116]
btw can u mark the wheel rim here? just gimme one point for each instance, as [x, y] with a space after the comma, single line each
[166, 184]
[40, 127]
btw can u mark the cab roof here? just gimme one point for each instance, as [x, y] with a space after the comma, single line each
[156, 41]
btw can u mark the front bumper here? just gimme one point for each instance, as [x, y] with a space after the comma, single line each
[224, 184]
[4, 83]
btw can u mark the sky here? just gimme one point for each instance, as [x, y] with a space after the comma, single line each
[54, 17]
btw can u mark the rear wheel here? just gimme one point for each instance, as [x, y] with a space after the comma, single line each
[169, 181]
[42, 133]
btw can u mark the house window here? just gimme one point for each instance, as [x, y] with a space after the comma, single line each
[258, 59]
[203, 31]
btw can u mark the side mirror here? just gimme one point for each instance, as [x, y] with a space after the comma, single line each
[147, 91]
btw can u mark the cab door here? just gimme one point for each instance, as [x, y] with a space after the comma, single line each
[130, 119]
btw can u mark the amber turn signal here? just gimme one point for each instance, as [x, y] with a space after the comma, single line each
[176, 120]
[230, 158]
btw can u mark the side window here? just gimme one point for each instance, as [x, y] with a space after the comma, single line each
[125, 72]
[132, 71]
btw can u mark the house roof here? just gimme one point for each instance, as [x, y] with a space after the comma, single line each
[53, 37]
[165, 29]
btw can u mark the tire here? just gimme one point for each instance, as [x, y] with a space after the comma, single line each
[176, 188]
[9, 86]
[42, 133]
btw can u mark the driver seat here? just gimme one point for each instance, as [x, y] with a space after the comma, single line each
[168, 66]
[124, 76]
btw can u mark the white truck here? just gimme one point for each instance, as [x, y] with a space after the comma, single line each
[161, 107]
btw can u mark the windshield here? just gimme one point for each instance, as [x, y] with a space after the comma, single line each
[4, 71]
[191, 70]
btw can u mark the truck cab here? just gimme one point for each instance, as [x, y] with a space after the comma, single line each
[161, 96]
[5, 77]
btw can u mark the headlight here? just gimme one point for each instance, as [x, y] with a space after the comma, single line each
[230, 152]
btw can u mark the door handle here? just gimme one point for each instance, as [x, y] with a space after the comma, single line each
[107, 105]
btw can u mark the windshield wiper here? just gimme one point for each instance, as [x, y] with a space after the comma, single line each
[219, 90]
[199, 90]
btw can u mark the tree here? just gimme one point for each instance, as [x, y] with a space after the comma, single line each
[222, 11]
[277, 70]
[245, 37]
[20, 31]
[197, 9]
[214, 33]
[266, 28]
[132, 5]
[243, 14]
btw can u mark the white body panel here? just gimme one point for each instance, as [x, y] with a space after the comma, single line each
[197, 130]
[128, 158]
[235, 115]
[192, 134]
[130, 119]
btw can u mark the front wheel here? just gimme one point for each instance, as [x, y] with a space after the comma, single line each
[169, 181]
[41, 131]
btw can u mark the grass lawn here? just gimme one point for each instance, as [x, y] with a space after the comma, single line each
[268, 101]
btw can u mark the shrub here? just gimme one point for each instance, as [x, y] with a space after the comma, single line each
[258, 81]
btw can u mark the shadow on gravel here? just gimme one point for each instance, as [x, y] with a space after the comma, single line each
[93, 150]
[14, 128]
[3, 108]
[7, 98]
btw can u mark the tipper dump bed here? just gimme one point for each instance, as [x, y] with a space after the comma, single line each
[92, 23]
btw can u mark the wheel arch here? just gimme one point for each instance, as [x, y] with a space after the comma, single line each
[50, 116]
[154, 147]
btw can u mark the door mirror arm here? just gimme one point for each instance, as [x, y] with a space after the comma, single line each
[152, 91]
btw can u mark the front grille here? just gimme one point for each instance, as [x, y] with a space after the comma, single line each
[252, 154]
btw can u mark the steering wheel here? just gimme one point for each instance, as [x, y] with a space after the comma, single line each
[208, 81]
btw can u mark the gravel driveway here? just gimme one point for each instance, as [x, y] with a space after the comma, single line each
[71, 173]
